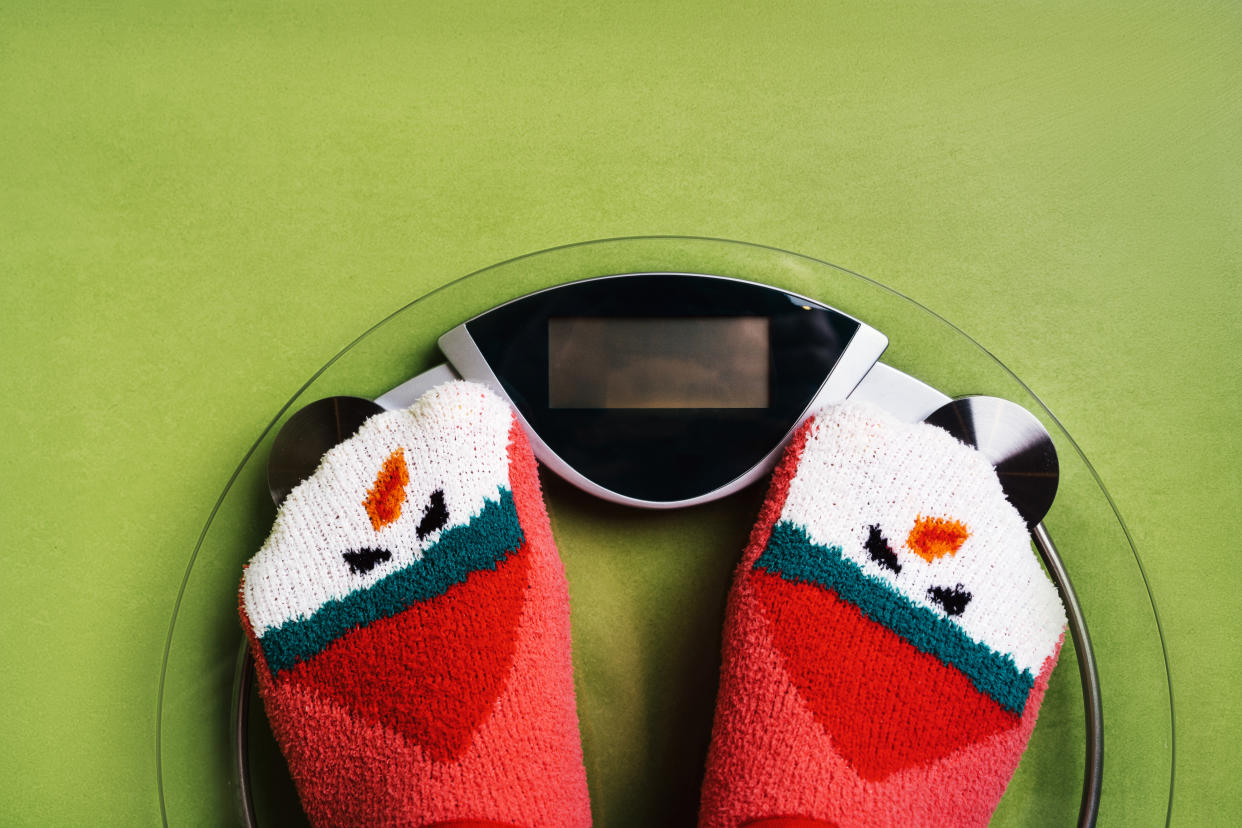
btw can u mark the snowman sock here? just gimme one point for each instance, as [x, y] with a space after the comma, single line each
[409, 620]
[888, 640]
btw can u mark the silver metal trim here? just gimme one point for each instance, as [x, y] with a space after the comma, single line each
[1089, 674]
[898, 393]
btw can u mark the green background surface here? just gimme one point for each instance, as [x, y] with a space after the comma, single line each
[201, 204]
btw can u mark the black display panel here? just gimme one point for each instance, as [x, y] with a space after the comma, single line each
[663, 452]
[659, 362]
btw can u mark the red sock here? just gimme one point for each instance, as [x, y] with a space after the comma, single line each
[409, 618]
[889, 637]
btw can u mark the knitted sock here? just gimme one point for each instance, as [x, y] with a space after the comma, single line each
[889, 636]
[409, 619]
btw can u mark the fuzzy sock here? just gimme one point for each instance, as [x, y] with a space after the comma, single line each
[409, 619]
[888, 640]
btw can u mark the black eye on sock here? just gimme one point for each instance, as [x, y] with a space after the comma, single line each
[953, 599]
[364, 560]
[880, 551]
[435, 515]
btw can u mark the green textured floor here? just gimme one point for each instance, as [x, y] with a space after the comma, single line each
[199, 206]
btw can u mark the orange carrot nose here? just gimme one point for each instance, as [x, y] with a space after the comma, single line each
[933, 538]
[387, 493]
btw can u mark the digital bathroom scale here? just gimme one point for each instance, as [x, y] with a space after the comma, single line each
[609, 373]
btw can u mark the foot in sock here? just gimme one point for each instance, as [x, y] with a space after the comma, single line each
[889, 636]
[409, 620]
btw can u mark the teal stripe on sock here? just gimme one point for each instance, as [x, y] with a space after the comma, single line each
[792, 555]
[483, 543]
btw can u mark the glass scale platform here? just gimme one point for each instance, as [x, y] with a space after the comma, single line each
[648, 588]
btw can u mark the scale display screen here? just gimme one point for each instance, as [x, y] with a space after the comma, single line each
[659, 362]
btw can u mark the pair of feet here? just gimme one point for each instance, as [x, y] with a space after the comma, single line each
[888, 640]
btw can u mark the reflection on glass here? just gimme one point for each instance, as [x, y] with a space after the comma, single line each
[683, 362]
